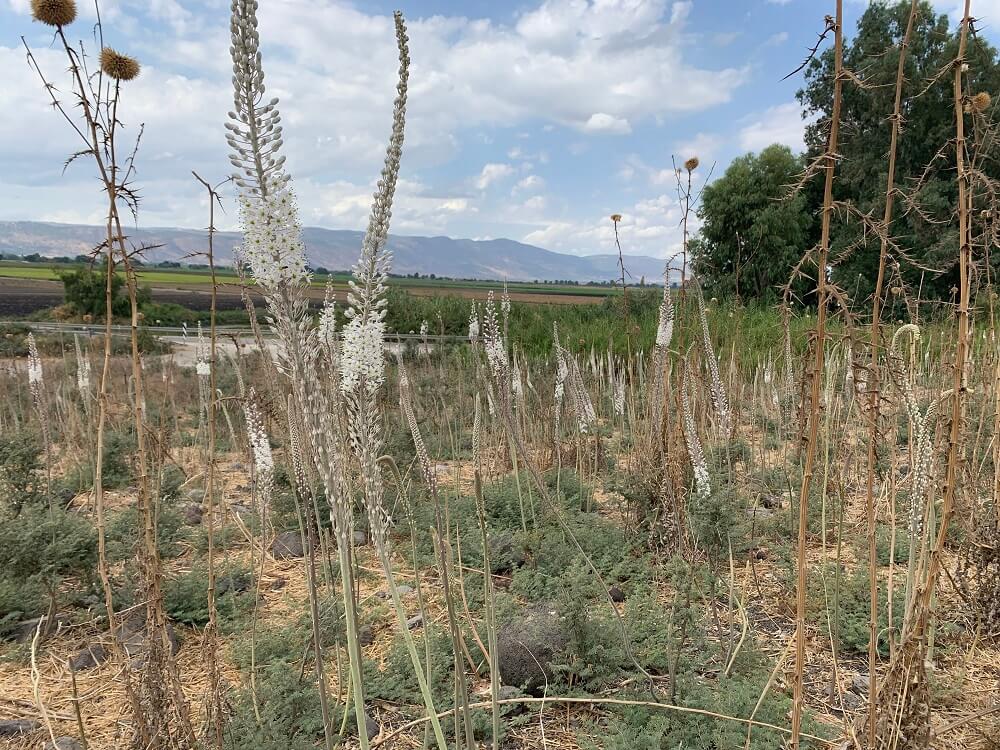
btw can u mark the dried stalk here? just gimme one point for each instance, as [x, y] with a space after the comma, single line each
[815, 395]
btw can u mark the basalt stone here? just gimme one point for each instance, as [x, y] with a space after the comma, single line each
[192, 514]
[89, 657]
[62, 743]
[287, 545]
[505, 555]
[528, 643]
[17, 727]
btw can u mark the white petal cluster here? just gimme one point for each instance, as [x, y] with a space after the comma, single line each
[272, 239]
[516, 384]
[83, 376]
[496, 347]
[561, 372]
[328, 323]
[473, 324]
[260, 446]
[665, 329]
[362, 354]
[719, 398]
[702, 483]
[35, 376]
[202, 368]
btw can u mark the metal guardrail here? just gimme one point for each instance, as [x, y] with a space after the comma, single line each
[87, 329]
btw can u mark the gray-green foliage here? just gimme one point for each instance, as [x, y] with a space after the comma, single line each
[22, 482]
[40, 548]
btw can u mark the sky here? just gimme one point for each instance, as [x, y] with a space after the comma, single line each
[532, 120]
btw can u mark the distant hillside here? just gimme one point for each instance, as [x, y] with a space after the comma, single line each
[337, 249]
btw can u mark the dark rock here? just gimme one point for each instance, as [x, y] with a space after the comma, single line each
[851, 701]
[859, 684]
[286, 545]
[366, 636]
[24, 631]
[242, 511]
[93, 655]
[66, 495]
[527, 644]
[616, 594]
[360, 538]
[62, 743]
[504, 554]
[132, 633]
[278, 583]
[15, 727]
[192, 513]
[194, 495]
[372, 727]
[417, 621]
[770, 501]
[236, 583]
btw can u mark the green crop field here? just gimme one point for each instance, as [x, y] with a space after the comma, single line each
[159, 277]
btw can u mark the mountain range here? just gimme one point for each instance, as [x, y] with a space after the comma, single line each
[337, 250]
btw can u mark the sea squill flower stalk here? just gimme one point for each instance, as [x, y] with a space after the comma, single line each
[723, 415]
[36, 384]
[922, 440]
[442, 546]
[260, 452]
[362, 362]
[473, 324]
[82, 371]
[273, 251]
[702, 483]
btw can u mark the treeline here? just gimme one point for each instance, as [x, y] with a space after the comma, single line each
[761, 217]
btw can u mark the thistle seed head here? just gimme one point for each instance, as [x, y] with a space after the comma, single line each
[691, 164]
[616, 218]
[118, 66]
[54, 12]
[981, 101]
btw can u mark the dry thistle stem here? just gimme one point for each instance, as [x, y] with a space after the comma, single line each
[118, 66]
[54, 12]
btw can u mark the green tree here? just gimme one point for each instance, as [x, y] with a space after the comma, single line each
[925, 224]
[753, 230]
[85, 292]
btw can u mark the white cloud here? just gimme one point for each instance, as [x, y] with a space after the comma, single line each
[650, 226]
[781, 124]
[602, 122]
[986, 11]
[491, 173]
[592, 67]
[706, 146]
[531, 183]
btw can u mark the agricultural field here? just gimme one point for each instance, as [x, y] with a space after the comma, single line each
[189, 287]
[759, 510]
